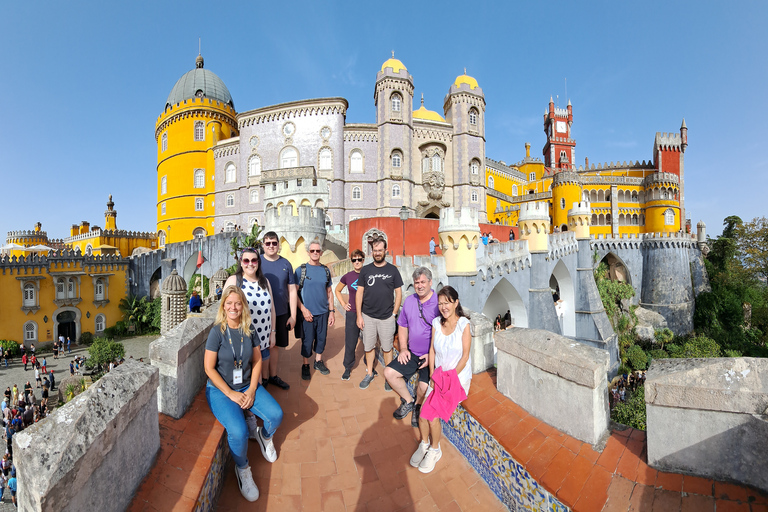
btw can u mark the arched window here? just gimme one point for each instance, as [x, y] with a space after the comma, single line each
[634, 220]
[473, 116]
[326, 159]
[164, 143]
[99, 290]
[437, 163]
[473, 196]
[199, 130]
[396, 102]
[562, 203]
[563, 156]
[669, 217]
[88, 250]
[474, 168]
[514, 190]
[30, 331]
[621, 196]
[600, 196]
[254, 165]
[289, 158]
[395, 191]
[71, 288]
[162, 209]
[594, 219]
[161, 238]
[199, 204]
[230, 173]
[254, 195]
[425, 164]
[29, 295]
[490, 181]
[164, 185]
[397, 160]
[532, 176]
[356, 193]
[199, 233]
[100, 323]
[230, 200]
[229, 227]
[356, 161]
[199, 178]
[608, 220]
[61, 288]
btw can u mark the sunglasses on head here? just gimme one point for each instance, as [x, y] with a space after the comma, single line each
[271, 243]
[246, 261]
[315, 251]
[357, 259]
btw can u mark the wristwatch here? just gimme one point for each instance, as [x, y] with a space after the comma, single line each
[332, 310]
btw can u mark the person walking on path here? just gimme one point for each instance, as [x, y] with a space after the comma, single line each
[315, 303]
[69, 345]
[432, 246]
[377, 301]
[45, 366]
[449, 354]
[279, 273]
[351, 330]
[414, 340]
[232, 363]
[53, 381]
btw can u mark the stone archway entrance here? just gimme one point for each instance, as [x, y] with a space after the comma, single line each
[66, 322]
[505, 297]
[563, 294]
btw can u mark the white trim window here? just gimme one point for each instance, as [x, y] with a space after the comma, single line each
[199, 233]
[164, 185]
[199, 204]
[161, 238]
[61, 288]
[71, 288]
[437, 163]
[98, 288]
[254, 195]
[474, 168]
[395, 191]
[514, 190]
[199, 179]
[162, 208]
[254, 165]
[164, 142]
[473, 116]
[230, 173]
[490, 181]
[562, 203]
[532, 176]
[29, 295]
[474, 196]
[229, 227]
[397, 102]
[199, 131]
[230, 200]
[669, 217]
[100, 323]
[289, 157]
[325, 160]
[357, 193]
[397, 160]
[356, 161]
[30, 331]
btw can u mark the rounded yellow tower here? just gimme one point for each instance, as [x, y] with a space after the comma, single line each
[566, 190]
[579, 219]
[459, 237]
[533, 225]
[199, 113]
[662, 203]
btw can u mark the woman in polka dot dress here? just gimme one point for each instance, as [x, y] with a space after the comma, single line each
[258, 293]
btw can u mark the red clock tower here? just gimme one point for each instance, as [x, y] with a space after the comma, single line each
[560, 149]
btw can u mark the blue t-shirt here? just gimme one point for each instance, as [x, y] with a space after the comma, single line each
[280, 274]
[314, 292]
[12, 484]
[418, 321]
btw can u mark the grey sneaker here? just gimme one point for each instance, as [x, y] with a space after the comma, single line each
[247, 486]
[415, 416]
[367, 380]
[402, 411]
[346, 375]
[419, 454]
[430, 459]
[320, 366]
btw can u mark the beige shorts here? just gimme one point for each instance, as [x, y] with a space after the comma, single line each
[384, 330]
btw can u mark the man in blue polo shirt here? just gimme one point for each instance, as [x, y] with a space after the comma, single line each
[414, 340]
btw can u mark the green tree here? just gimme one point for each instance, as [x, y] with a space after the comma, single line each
[752, 243]
[251, 239]
[104, 350]
[135, 311]
[632, 412]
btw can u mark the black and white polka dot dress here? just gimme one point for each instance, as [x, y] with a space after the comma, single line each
[260, 306]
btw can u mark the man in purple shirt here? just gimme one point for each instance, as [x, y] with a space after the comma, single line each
[414, 340]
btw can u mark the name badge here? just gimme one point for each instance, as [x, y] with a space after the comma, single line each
[237, 376]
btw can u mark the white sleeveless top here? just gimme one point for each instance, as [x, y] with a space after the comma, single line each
[449, 349]
[260, 307]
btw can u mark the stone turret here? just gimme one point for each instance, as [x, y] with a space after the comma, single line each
[218, 279]
[579, 220]
[174, 305]
[296, 231]
[459, 234]
[533, 225]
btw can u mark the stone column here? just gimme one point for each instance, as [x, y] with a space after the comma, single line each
[174, 305]
[459, 238]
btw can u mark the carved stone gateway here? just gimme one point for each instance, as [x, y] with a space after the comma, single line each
[434, 186]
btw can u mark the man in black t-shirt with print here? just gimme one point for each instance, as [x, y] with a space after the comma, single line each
[378, 299]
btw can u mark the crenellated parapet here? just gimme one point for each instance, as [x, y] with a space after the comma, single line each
[617, 165]
[666, 179]
[668, 142]
[609, 243]
[60, 260]
[209, 108]
[668, 239]
[295, 230]
[503, 258]
[116, 233]
[562, 244]
[565, 178]
[459, 233]
[533, 225]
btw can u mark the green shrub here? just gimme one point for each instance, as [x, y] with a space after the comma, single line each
[121, 329]
[86, 338]
[632, 412]
[637, 358]
[194, 284]
[732, 353]
[663, 336]
[658, 353]
[694, 346]
[103, 351]
[11, 346]
[155, 314]
[624, 370]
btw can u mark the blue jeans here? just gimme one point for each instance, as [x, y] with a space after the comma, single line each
[314, 335]
[232, 417]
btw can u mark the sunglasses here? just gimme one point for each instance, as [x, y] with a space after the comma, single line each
[356, 259]
[270, 244]
[246, 261]
[315, 251]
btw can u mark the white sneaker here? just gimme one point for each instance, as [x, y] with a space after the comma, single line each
[267, 446]
[253, 426]
[419, 454]
[430, 459]
[247, 486]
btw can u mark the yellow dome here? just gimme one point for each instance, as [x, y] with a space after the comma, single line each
[429, 115]
[393, 63]
[466, 79]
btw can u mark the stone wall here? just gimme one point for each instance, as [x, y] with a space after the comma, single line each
[709, 417]
[178, 355]
[556, 379]
[92, 453]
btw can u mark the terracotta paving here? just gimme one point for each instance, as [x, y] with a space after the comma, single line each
[616, 479]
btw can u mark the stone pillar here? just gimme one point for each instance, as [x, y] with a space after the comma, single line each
[296, 231]
[218, 278]
[701, 235]
[533, 225]
[174, 305]
[579, 220]
[459, 238]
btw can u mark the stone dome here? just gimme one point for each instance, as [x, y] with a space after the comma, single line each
[199, 83]
[174, 283]
[220, 275]
[466, 79]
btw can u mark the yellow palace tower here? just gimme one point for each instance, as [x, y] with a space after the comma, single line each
[198, 114]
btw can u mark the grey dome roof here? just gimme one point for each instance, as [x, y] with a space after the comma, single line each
[174, 283]
[199, 82]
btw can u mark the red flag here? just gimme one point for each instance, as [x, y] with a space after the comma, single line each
[199, 259]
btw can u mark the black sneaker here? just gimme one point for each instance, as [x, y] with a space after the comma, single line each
[387, 387]
[415, 416]
[320, 366]
[305, 372]
[277, 381]
[347, 373]
[402, 411]
[264, 383]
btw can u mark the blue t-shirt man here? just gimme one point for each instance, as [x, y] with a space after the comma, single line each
[280, 274]
[314, 291]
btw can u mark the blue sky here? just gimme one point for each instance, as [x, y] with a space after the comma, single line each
[84, 82]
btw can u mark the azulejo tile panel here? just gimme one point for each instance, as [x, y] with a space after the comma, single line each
[209, 494]
[508, 479]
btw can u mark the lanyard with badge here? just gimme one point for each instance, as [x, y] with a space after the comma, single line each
[237, 372]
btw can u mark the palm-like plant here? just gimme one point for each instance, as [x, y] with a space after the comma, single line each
[135, 312]
[241, 242]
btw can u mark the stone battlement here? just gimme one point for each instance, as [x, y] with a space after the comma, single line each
[565, 177]
[534, 211]
[668, 142]
[464, 220]
[562, 244]
[119, 233]
[618, 165]
[663, 178]
[581, 208]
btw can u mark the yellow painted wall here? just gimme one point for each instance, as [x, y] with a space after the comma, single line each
[459, 249]
[571, 193]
